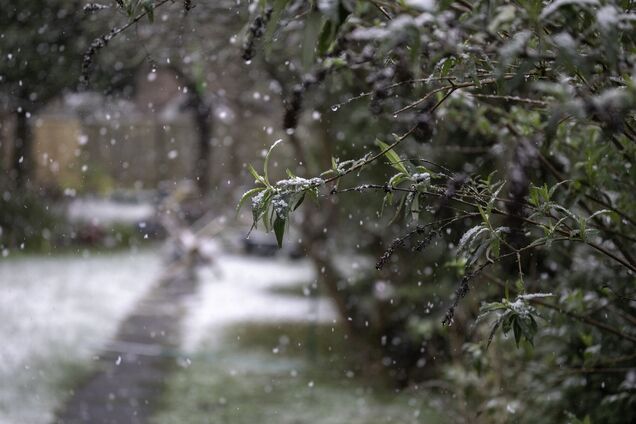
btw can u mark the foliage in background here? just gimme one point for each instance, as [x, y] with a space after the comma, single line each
[502, 170]
[25, 222]
[41, 42]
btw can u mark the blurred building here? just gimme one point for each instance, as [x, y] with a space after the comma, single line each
[93, 142]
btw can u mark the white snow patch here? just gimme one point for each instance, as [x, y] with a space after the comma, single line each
[105, 211]
[238, 291]
[422, 4]
[55, 313]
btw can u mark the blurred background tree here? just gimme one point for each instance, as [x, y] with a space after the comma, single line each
[41, 43]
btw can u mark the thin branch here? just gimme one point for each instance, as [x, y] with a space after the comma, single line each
[452, 86]
[603, 203]
[496, 211]
[101, 42]
[372, 158]
[382, 10]
[510, 99]
[585, 319]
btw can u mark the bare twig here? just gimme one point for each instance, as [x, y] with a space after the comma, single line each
[101, 42]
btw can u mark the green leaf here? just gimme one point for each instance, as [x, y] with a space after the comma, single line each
[337, 15]
[422, 169]
[149, 8]
[277, 10]
[493, 198]
[397, 179]
[516, 330]
[388, 200]
[267, 219]
[266, 165]
[256, 175]
[260, 211]
[505, 15]
[495, 247]
[130, 7]
[279, 230]
[534, 197]
[557, 185]
[469, 237]
[248, 195]
[587, 339]
[493, 331]
[310, 39]
[415, 208]
[446, 66]
[326, 37]
[300, 201]
[506, 325]
[582, 227]
[484, 215]
[598, 213]
[481, 249]
[393, 157]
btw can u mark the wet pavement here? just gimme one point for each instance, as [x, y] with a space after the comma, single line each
[134, 365]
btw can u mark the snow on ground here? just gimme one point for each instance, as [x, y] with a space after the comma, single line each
[55, 313]
[106, 211]
[238, 289]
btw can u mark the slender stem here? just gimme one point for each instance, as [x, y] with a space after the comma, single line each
[585, 319]
[496, 211]
[382, 10]
[99, 42]
[452, 86]
[372, 158]
[510, 99]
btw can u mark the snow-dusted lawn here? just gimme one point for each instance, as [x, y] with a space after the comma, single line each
[239, 289]
[107, 211]
[249, 351]
[55, 313]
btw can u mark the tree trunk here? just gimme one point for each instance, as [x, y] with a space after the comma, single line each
[21, 163]
[202, 110]
[204, 130]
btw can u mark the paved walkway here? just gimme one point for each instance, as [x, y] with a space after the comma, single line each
[134, 366]
[173, 318]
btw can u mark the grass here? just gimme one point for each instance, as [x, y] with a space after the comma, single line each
[55, 314]
[285, 374]
[35, 394]
[298, 290]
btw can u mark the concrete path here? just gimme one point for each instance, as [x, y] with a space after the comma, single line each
[133, 367]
